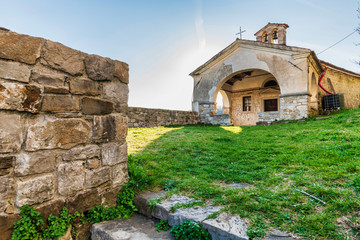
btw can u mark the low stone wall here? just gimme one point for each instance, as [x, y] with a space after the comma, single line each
[63, 126]
[268, 116]
[148, 117]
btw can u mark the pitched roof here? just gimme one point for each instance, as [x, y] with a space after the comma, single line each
[339, 68]
[240, 42]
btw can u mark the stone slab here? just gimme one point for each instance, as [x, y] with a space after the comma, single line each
[82, 153]
[196, 214]
[162, 209]
[135, 228]
[33, 163]
[14, 71]
[99, 68]
[11, 135]
[226, 227]
[70, 178]
[143, 199]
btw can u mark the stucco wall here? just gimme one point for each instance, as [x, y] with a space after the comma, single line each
[148, 117]
[340, 82]
[63, 126]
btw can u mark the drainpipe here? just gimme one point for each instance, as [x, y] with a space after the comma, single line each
[322, 75]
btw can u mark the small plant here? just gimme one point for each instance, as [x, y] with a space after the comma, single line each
[162, 226]
[30, 224]
[186, 205]
[355, 184]
[153, 202]
[188, 230]
[257, 230]
[58, 226]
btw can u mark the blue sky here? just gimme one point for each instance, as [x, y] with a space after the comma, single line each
[164, 40]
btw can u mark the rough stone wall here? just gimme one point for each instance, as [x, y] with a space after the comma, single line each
[63, 126]
[148, 117]
[268, 116]
[294, 107]
[207, 116]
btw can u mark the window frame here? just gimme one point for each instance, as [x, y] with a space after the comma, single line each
[246, 105]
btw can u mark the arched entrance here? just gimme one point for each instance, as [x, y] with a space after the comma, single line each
[251, 95]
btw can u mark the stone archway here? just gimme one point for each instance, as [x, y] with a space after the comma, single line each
[253, 95]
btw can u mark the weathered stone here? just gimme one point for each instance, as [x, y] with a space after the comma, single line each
[48, 78]
[55, 90]
[93, 163]
[11, 136]
[60, 103]
[142, 201]
[83, 201]
[82, 153]
[35, 190]
[7, 192]
[116, 91]
[162, 210]
[95, 106]
[103, 129]
[53, 207]
[6, 163]
[121, 127]
[226, 227]
[84, 86]
[96, 177]
[70, 178]
[136, 228]
[121, 71]
[33, 163]
[109, 197]
[14, 96]
[113, 153]
[83, 231]
[119, 174]
[11, 209]
[50, 133]
[196, 214]
[60, 57]
[14, 71]
[7, 225]
[99, 68]
[19, 47]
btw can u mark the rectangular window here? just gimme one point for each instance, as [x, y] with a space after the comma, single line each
[246, 104]
[270, 105]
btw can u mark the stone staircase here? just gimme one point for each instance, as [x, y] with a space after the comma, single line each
[224, 227]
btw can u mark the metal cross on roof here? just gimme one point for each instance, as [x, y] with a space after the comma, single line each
[240, 33]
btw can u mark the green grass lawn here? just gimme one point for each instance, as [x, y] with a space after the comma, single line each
[321, 158]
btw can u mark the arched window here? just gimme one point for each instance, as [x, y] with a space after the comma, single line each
[271, 83]
[274, 36]
[265, 37]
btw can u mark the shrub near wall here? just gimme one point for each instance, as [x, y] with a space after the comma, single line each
[148, 117]
[63, 126]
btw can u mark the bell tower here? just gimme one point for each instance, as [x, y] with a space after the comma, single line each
[274, 33]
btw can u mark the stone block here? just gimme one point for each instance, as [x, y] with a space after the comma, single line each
[121, 71]
[6, 164]
[48, 78]
[162, 210]
[116, 91]
[61, 90]
[119, 174]
[7, 224]
[19, 47]
[83, 201]
[95, 106]
[53, 207]
[14, 96]
[60, 103]
[14, 71]
[113, 153]
[82, 153]
[93, 163]
[99, 68]
[109, 128]
[226, 227]
[7, 192]
[70, 178]
[11, 135]
[84, 86]
[34, 163]
[35, 190]
[196, 214]
[83, 231]
[60, 57]
[142, 201]
[96, 177]
[51, 133]
[109, 197]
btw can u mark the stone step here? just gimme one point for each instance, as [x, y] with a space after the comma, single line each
[136, 228]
